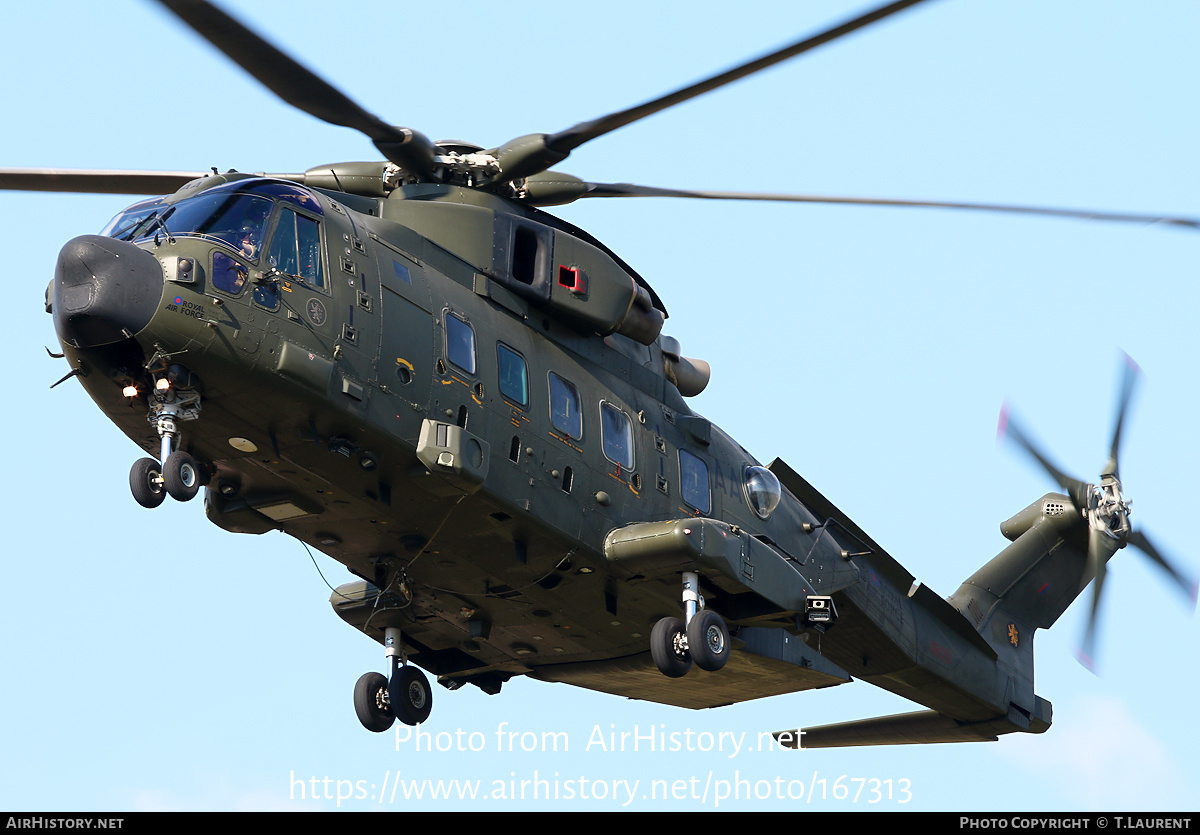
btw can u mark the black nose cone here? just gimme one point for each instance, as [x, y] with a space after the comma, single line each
[105, 290]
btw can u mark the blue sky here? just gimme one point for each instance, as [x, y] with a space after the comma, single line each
[152, 661]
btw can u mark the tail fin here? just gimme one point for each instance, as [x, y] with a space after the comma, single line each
[1031, 582]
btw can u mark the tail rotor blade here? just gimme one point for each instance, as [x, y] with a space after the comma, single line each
[1128, 383]
[1100, 548]
[1140, 541]
[1075, 488]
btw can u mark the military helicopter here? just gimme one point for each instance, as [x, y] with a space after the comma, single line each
[531, 407]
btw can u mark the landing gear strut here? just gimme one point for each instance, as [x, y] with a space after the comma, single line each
[703, 639]
[407, 696]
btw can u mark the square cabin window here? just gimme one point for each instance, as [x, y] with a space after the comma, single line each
[616, 436]
[564, 407]
[693, 481]
[460, 343]
[514, 379]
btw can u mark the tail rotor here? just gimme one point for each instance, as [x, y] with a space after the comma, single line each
[1105, 509]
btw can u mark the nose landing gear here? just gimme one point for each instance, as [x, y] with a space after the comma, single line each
[179, 476]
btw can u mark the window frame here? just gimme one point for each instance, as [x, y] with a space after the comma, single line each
[523, 404]
[323, 288]
[683, 482]
[213, 271]
[574, 389]
[447, 315]
[628, 434]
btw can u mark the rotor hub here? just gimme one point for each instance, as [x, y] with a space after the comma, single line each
[1108, 510]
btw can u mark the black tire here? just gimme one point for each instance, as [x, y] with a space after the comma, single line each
[372, 710]
[145, 481]
[667, 648]
[708, 640]
[411, 696]
[181, 476]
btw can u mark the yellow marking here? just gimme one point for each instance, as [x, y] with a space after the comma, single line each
[617, 477]
[404, 362]
[565, 441]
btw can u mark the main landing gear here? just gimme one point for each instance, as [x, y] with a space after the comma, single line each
[703, 639]
[406, 696]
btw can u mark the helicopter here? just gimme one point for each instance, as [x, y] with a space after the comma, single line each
[160, 229]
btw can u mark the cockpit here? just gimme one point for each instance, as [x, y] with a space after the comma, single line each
[242, 215]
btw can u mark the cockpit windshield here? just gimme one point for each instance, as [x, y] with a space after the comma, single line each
[236, 218]
[239, 220]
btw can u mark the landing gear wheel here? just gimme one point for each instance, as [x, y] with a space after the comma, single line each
[708, 640]
[668, 648]
[410, 695]
[145, 481]
[181, 476]
[371, 703]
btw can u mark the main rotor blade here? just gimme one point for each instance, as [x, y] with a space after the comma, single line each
[95, 182]
[300, 87]
[631, 190]
[568, 140]
[530, 155]
[1075, 488]
[1128, 381]
[1139, 540]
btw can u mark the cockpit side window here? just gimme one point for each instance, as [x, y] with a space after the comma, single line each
[296, 248]
[228, 275]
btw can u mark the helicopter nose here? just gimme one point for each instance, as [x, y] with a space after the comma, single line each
[105, 290]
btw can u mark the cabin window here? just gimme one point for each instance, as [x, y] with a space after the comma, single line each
[514, 379]
[564, 407]
[616, 436]
[693, 481]
[296, 248]
[460, 343]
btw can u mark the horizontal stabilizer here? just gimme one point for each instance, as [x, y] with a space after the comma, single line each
[921, 727]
